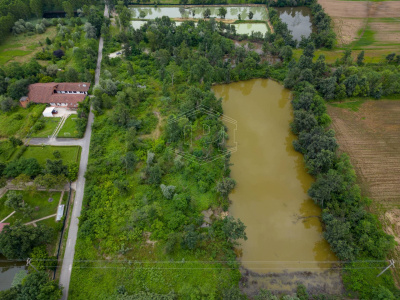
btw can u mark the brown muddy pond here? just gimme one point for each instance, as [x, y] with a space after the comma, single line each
[298, 20]
[283, 226]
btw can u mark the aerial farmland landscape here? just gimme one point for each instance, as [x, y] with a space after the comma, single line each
[191, 149]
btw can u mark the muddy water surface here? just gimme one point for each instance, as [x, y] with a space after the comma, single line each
[283, 228]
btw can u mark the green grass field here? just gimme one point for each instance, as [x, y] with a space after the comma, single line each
[69, 129]
[19, 121]
[366, 38]
[353, 105]
[69, 154]
[23, 47]
[38, 201]
[50, 125]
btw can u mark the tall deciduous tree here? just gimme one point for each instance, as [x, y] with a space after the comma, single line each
[14, 200]
[225, 186]
[222, 12]
[234, 229]
[207, 13]
[18, 240]
[68, 8]
[251, 14]
[36, 7]
[360, 58]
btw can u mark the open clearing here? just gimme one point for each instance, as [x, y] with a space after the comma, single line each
[69, 154]
[371, 136]
[352, 18]
[21, 48]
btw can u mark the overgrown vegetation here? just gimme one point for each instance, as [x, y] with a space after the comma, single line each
[157, 196]
[143, 201]
[142, 233]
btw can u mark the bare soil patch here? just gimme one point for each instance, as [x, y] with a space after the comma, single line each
[345, 9]
[351, 16]
[385, 9]
[347, 29]
[386, 32]
[285, 282]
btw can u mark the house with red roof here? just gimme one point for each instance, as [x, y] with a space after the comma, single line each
[62, 94]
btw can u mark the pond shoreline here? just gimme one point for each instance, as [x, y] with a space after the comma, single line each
[285, 282]
[285, 246]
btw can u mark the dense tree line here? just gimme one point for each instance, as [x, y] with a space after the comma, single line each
[352, 232]
[324, 36]
[347, 79]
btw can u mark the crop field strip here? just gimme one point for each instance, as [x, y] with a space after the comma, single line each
[354, 19]
[371, 137]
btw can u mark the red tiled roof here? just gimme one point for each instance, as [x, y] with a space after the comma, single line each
[66, 98]
[73, 86]
[2, 226]
[44, 92]
[40, 92]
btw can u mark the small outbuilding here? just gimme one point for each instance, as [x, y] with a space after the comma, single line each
[48, 112]
[60, 212]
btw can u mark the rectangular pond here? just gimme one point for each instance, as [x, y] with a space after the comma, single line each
[298, 20]
[174, 12]
[242, 28]
[247, 28]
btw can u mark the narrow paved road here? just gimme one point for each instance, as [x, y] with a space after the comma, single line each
[68, 260]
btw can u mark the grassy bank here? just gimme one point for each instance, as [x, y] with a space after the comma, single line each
[19, 121]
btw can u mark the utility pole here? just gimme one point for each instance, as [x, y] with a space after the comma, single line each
[28, 263]
[391, 265]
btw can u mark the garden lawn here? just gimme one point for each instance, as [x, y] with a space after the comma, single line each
[69, 154]
[50, 125]
[38, 201]
[19, 121]
[69, 129]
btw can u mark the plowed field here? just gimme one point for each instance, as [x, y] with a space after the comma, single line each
[351, 18]
[371, 136]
